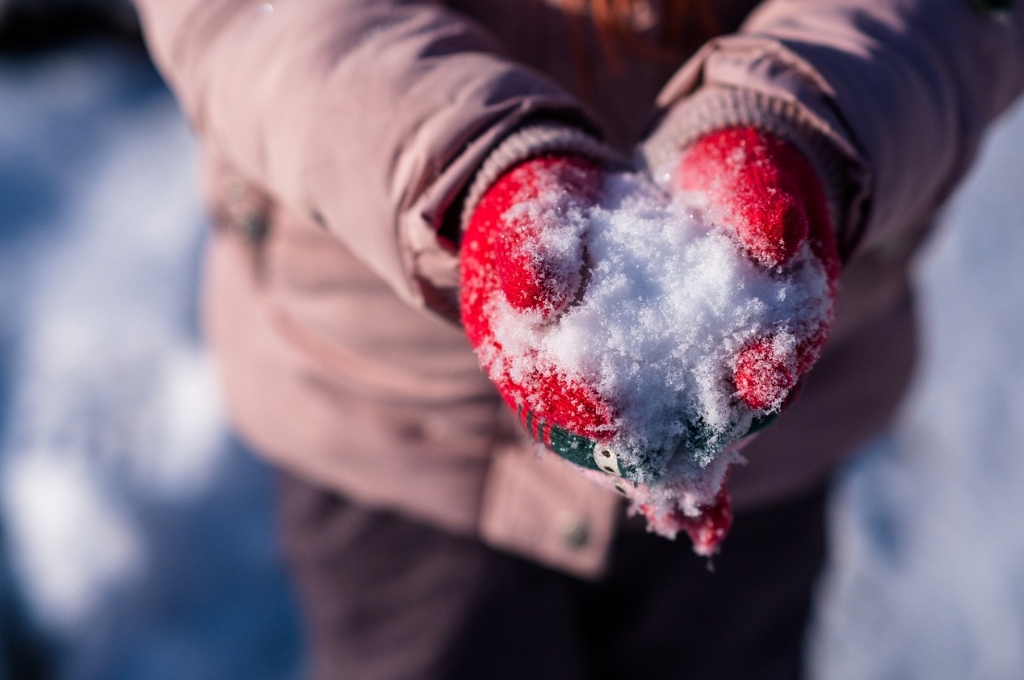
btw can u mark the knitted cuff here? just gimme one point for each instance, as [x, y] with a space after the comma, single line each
[530, 142]
[713, 108]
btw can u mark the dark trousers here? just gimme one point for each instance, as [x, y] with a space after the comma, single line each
[384, 597]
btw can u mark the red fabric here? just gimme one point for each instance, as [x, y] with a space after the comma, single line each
[500, 250]
[765, 192]
[709, 528]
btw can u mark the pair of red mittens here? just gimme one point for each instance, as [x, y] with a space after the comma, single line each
[525, 244]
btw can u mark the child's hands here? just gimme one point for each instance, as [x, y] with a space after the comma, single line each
[525, 265]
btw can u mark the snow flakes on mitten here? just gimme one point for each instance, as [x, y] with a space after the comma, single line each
[635, 334]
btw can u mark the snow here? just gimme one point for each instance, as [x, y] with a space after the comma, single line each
[48, 501]
[669, 302]
[929, 549]
[136, 530]
[137, 539]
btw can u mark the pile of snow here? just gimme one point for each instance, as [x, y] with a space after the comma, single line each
[668, 302]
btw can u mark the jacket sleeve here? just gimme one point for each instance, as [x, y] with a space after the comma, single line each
[889, 97]
[369, 115]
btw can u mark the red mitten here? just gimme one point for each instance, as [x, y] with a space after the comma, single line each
[502, 249]
[766, 193]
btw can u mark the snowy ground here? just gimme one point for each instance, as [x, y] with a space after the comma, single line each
[137, 534]
[928, 580]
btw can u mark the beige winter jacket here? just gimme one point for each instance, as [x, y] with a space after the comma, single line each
[338, 133]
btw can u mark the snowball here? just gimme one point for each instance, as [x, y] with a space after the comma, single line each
[668, 300]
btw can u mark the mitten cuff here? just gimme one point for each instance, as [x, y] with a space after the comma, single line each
[713, 108]
[530, 142]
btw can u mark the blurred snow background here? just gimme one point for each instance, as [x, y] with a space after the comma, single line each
[137, 534]
[928, 573]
